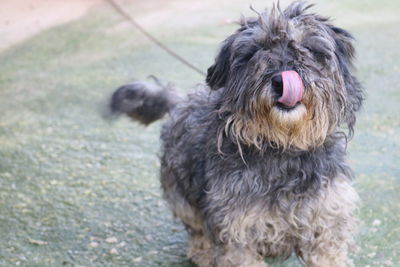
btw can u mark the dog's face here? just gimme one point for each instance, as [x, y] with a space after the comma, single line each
[286, 79]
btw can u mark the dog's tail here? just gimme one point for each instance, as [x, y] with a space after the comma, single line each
[144, 102]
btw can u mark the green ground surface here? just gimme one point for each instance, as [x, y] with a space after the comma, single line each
[76, 190]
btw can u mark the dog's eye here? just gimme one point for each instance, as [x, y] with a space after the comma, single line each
[319, 48]
[319, 54]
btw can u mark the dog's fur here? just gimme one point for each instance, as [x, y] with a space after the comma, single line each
[249, 179]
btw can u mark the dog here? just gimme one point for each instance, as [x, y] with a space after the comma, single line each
[253, 163]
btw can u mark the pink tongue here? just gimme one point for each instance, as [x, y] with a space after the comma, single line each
[292, 88]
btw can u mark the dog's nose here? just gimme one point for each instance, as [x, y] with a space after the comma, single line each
[277, 85]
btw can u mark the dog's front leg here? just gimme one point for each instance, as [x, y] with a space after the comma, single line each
[206, 253]
[333, 227]
[237, 255]
[231, 228]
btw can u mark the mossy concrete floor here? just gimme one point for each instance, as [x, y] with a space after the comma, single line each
[76, 190]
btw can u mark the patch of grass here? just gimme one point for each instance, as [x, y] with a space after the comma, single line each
[76, 190]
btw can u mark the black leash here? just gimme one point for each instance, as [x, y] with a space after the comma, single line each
[125, 14]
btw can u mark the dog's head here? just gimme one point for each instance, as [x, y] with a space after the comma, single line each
[285, 79]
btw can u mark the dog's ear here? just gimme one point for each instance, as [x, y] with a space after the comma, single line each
[345, 52]
[218, 73]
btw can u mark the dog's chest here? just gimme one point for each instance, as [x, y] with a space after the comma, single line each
[248, 216]
[266, 201]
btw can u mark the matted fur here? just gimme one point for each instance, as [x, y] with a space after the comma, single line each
[309, 49]
[251, 179]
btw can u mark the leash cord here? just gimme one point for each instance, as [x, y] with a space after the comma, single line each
[126, 15]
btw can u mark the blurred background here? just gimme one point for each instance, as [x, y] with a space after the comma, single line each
[76, 190]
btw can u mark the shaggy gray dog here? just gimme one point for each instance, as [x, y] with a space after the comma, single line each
[254, 163]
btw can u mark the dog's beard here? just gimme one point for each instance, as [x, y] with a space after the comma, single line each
[303, 127]
[288, 118]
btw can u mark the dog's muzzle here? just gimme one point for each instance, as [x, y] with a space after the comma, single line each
[289, 88]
